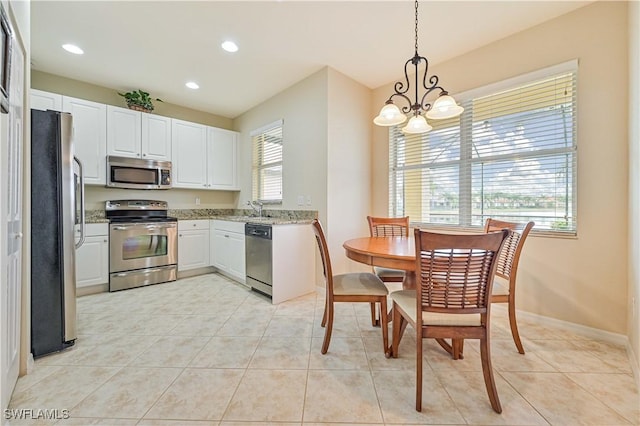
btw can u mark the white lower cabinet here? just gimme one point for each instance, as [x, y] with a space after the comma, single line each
[92, 258]
[227, 248]
[193, 244]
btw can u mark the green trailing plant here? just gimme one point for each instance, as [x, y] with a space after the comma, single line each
[139, 100]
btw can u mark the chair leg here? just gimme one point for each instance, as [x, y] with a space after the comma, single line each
[458, 345]
[384, 324]
[418, 373]
[514, 325]
[487, 371]
[324, 315]
[328, 329]
[374, 321]
[395, 336]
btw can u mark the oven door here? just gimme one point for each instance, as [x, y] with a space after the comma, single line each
[142, 245]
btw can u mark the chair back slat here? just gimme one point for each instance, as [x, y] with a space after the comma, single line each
[456, 271]
[388, 226]
[510, 253]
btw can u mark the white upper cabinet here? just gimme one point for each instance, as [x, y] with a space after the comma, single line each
[137, 134]
[189, 154]
[45, 100]
[223, 159]
[89, 137]
[124, 132]
[156, 137]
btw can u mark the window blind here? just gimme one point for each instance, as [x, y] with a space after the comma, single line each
[511, 155]
[267, 163]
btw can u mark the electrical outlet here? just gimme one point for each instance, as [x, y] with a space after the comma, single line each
[634, 308]
[301, 200]
[197, 201]
[308, 200]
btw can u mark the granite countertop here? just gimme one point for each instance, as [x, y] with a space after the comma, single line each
[270, 217]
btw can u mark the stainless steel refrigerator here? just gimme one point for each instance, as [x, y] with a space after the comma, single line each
[57, 198]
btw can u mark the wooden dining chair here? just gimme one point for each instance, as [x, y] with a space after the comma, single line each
[452, 298]
[351, 287]
[504, 285]
[387, 227]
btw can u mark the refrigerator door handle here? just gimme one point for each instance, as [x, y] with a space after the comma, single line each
[82, 218]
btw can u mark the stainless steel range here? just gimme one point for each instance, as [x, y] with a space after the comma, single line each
[143, 243]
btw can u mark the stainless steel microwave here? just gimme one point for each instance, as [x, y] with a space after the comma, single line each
[135, 173]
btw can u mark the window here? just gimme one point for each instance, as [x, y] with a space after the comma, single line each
[511, 155]
[267, 163]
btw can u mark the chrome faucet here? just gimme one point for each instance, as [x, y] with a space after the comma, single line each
[256, 206]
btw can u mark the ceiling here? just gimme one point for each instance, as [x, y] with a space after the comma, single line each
[158, 46]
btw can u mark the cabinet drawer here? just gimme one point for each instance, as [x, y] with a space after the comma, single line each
[229, 226]
[185, 225]
[93, 229]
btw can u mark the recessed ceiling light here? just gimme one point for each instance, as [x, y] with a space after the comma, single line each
[229, 46]
[192, 85]
[72, 48]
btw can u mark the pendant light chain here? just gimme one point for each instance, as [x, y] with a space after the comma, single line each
[416, 27]
[420, 107]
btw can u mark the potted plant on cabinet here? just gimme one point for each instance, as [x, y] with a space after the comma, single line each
[139, 100]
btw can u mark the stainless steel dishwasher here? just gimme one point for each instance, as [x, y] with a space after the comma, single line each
[259, 257]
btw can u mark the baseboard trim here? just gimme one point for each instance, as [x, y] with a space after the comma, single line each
[582, 330]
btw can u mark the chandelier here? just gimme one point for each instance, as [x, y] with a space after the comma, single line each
[443, 107]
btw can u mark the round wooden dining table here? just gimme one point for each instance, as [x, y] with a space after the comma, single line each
[386, 252]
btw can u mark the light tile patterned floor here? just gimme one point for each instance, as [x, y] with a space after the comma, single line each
[206, 351]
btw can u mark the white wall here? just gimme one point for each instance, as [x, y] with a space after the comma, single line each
[633, 319]
[348, 168]
[581, 280]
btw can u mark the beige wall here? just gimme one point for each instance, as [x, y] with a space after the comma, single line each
[633, 319]
[582, 280]
[348, 166]
[303, 107]
[326, 152]
[80, 89]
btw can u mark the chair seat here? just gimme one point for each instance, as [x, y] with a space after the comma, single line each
[388, 273]
[406, 300]
[364, 283]
[500, 286]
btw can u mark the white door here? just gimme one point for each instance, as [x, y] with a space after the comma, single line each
[89, 137]
[223, 159]
[44, 100]
[189, 154]
[12, 217]
[156, 137]
[123, 132]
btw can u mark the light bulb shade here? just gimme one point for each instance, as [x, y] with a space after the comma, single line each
[444, 107]
[390, 115]
[417, 124]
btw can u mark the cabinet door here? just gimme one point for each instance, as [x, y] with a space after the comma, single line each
[123, 132]
[156, 137]
[236, 251]
[223, 159]
[193, 249]
[189, 154]
[89, 137]
[92, 261]
[45, 100]
[220, 256]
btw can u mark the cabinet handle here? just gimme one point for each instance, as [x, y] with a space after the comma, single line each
[144, 155]
[105, 241]
[180, 235]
